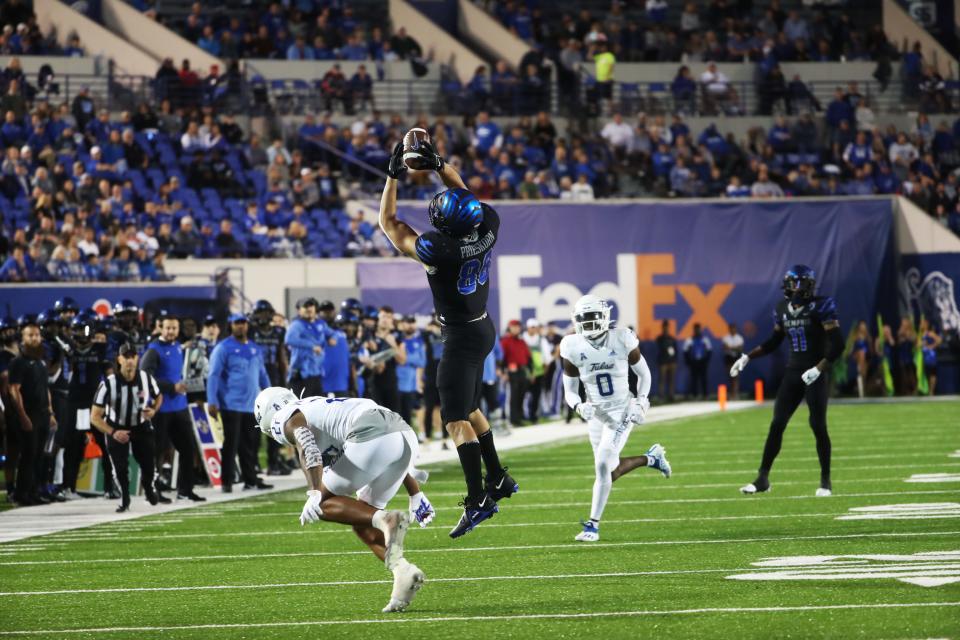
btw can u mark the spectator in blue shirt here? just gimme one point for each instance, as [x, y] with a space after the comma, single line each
[838, 110]
[209, 42]
[858, 152]
[299, 50]
[486, 134]
[353, 49]
[307, 337]
[237, 375]
[409, 374]
[885, 180]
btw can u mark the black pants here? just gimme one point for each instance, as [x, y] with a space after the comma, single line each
[791, 393]
[383, 391]
[698, 378]
[73, 444]
[518, 389]
[409, 401]
[236, 440]
[176, 426]
[273, 452]
[31, 448]
[535, 389]
[491, 397]
[460, 372]
[305, 387]
[143, 447]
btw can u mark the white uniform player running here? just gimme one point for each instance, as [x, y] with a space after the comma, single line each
[350, 447]
[598, 356]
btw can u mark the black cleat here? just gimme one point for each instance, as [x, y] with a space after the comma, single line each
[504, 487]
[124, 506]
[474, 512]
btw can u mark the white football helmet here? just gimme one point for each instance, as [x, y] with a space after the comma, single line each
[591, 316]
[268, 402]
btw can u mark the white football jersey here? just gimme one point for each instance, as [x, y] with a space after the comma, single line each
[603, 369]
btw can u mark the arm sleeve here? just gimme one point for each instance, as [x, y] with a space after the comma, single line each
[154, 386]
[264, 378]
[571, 391]
[643, 376]
[427, 249]
[213, 382]
[835, 345]
[770, 344]
[100, 397]
[149, 363]
[296, 337]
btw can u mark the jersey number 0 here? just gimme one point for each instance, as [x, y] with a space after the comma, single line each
[472, 273]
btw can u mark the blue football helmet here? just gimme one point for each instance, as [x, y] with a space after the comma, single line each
[455, 212]
[799, 284]
[351, 305]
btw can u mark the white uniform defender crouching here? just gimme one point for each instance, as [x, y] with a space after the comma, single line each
[347, 447]
[598, 356]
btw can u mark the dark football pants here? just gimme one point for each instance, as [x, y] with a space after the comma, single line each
[142, 445]
[179, 428]
[791, 393]
[236, 427]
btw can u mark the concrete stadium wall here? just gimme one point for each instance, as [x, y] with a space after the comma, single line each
[899, 26]
[918, 233]
[87, 66]
[446, 48]
[154, 38]
[486, 33]
[127, 58]
[310, 70]
[747, 71]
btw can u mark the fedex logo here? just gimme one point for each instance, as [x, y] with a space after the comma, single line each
[635, 293]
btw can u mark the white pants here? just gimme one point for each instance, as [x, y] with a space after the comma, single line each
[607, 442]
[378, 466]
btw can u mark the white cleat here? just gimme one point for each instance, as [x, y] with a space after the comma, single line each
[407, 580]
[823, 493]
[421, 511]
[590, 533]
[419, 475]
[395, 525]
[657, 455]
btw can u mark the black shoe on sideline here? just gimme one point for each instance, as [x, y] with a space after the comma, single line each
[193, 497]
[151, 495]
[124, 506]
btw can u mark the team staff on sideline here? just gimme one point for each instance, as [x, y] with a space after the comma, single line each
[236, 377]
[123, 406]
[269, 338]
[163, 359]
[307, 337]
[34, 409]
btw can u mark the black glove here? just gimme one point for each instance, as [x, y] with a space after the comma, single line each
[430, 154]
[396, 166]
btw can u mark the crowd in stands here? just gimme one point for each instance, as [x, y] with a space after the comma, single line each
[719, 30]
[302, 30]
[22, 36]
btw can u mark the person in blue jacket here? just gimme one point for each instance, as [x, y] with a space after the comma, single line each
[409, 374]
[237, 375]
[163, 359]
[307, 337]
[337, 369]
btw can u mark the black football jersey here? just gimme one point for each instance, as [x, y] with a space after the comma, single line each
[270, 342]
[803, 328]
[458, 269]
[87, 367]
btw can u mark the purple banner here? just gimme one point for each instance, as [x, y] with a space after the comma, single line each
[711, 263]
[19, 299]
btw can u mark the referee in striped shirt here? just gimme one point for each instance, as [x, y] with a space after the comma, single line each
[122, 408]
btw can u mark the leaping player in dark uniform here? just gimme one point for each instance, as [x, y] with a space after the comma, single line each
[811, 323]
[456, 256]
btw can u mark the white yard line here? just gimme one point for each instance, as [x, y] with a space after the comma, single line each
[489, 618]
[491, 525]
[569, 546]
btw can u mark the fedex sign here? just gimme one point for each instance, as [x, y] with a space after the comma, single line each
[638, 292]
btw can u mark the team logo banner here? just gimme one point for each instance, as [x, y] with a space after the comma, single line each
[209, 439]
[685, 262]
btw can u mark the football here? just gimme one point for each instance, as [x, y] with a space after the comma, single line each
[412, 156]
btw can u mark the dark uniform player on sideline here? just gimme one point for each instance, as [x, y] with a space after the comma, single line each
[456, 256]
[270, 340]
[815, 343]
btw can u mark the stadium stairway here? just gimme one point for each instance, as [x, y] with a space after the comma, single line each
[28, 522]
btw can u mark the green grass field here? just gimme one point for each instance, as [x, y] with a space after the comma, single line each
[248, 570]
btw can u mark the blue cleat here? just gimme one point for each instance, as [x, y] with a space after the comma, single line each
[658, 456]
[504, 487]
[473, 514]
